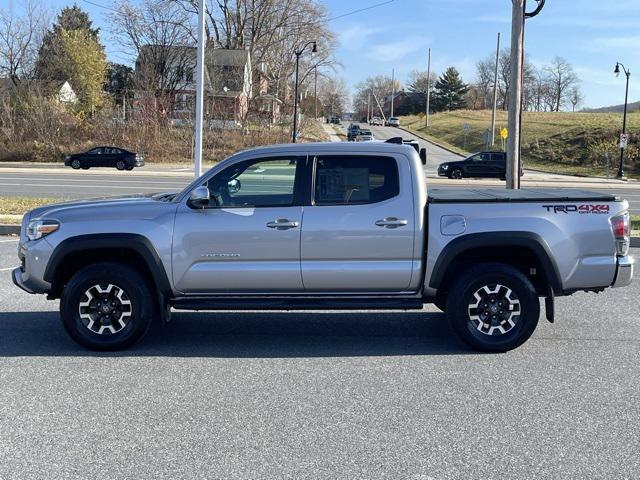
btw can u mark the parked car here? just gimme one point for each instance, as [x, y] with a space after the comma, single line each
[375, 121]
[372, 237]
[115, 157]
[352, 132]
[393, 122]
[478, 165]
[364, 136]
[336, 120]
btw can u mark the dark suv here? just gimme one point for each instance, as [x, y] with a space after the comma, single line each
[352, 132]
[482, 164]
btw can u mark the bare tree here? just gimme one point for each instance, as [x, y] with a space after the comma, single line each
[575, 97]
[379, 86]
[417, 81]
[334, 95]
[20, 39]
[561, 78]
[484, 80]
[160, 35]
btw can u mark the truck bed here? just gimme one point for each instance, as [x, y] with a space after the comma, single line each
[491, 195]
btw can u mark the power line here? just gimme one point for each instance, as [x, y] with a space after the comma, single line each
[100, 6]
[358, 10]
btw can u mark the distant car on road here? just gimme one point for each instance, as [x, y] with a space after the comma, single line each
[375, 121]
[364, 136]
[105, 157]
[352, 132]
[336, 120]
[481, 164]
[393, 122]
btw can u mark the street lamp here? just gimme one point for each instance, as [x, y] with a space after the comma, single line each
[624, 118]
[314, 49]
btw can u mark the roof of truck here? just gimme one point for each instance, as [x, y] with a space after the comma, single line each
[355, 147]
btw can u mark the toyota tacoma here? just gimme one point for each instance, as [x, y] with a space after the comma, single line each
[323, 226]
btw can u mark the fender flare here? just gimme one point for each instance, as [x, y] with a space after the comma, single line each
[125, 241]
[529, 240]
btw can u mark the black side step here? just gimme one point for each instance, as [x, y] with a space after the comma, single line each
[293, 303]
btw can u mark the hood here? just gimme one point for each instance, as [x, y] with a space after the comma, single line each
[124, 201]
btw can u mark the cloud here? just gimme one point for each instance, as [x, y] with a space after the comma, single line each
[390, 51]
[355, 36]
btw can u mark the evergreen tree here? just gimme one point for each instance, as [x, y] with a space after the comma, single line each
[49, 65]
[450, 91]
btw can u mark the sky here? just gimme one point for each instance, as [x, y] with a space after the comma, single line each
[591, 34]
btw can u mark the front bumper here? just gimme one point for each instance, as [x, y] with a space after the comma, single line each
[624, 271]
[16, 275]
[443, 173]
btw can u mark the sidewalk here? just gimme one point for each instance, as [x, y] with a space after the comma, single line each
[329, 130]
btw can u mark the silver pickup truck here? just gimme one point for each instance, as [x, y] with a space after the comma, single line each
[323, 226]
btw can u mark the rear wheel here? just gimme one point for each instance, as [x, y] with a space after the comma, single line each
[493, 307]
[120, 165]
[456, 174]
[75, 164]
[106, 306]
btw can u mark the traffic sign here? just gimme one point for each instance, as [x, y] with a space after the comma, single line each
[624, 139]
[504, 133]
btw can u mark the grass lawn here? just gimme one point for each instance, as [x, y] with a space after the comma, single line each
[552, 141]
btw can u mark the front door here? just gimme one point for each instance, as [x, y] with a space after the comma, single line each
[358, 234]
[247, 240]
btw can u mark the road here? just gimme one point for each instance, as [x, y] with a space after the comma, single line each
[61, 183]
[320, 395]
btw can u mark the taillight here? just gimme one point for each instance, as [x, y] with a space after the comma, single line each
[621, 231]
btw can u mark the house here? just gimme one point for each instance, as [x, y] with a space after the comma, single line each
[60, 91]
[169, 76]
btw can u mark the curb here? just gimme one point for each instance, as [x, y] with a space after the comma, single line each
[8, 229]
[434, 143]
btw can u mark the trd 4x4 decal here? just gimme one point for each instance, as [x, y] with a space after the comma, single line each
[583, 208]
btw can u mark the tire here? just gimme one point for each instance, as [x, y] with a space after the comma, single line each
[76, 165]
[456, 174]
[493, 282]
[120, 165]
[128, 167]
[84, 311]
[85, 168]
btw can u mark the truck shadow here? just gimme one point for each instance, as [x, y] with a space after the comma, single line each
[250, 335]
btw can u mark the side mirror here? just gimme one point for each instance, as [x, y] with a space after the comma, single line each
[234, 186]
[423, 156]
[199, 197]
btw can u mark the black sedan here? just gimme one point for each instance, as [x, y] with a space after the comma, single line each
[105, 157]
[478, 165]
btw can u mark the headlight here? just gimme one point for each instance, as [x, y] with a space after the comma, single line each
[445, 167]
[41, 228]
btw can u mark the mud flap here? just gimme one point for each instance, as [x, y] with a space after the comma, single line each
[549, 306]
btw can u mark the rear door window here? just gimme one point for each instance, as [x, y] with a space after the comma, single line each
[349, 180]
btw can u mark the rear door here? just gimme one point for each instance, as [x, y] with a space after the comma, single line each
[358, 232]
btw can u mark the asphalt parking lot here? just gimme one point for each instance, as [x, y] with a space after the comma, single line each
[320, 395]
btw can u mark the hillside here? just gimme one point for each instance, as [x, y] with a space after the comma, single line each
[567, 142]
[631, 107]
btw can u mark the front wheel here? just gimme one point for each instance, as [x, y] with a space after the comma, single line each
[493, 307]
[120, 165]
[106, 306]
[456, 174]
[75, 164]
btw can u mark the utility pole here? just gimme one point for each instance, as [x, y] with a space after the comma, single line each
[315, 92]
[514, 159]
[495, 95]
[515, 95]
[197, 151]
[426, 121]
[369, 111]
[393, 90]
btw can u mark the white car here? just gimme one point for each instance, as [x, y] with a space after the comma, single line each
[393, 122]
[364, 136]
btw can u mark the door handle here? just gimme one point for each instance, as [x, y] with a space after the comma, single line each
[391, 222]
[282, 224]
